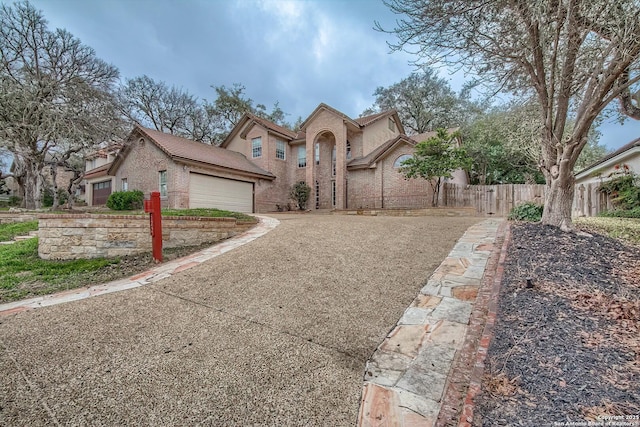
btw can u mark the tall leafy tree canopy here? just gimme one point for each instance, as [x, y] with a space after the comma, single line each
[573, 57]
[424, 102]
[56, 96]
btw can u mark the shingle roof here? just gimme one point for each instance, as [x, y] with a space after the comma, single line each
[98, 172]
[272, 126]
[379, 152]
[367, 120]
[180, 148]
[626, 147]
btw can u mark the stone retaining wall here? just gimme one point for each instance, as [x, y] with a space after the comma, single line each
[97, 236]
[11, 217]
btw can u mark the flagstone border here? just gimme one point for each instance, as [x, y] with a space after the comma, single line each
[407, 376]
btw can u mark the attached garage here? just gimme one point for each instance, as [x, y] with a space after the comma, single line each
[207, 191]
[101, 192]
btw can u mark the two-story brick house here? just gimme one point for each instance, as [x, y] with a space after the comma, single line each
[348, 163]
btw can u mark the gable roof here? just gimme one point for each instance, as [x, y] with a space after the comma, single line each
[186, 150]
[98, 172]
[614, 156]
[383, 150]
[324, 107]
[379, 153]
[248, 120]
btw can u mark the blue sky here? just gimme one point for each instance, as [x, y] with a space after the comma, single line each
[296, 52]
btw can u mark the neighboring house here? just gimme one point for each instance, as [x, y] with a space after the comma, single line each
[187, 174]
[348, 163]
[588, 200]
[628, 154]
[97, 185]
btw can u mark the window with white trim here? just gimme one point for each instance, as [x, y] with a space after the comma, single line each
[256, 147]
[162, 175]
[281, 150]
[302, 156]
[124, 184]
[317, 153]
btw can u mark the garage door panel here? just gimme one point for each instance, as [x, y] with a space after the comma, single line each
[212, 192]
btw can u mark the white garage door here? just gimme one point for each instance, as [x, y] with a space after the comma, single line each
[211, 192]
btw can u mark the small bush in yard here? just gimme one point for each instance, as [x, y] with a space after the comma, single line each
[527, 212]
[125, 200]
[300, 193]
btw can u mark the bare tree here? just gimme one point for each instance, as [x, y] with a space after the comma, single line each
[55, 95]
[575, 57]
[167, 109]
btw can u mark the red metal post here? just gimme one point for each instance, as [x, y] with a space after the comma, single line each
[155, 221]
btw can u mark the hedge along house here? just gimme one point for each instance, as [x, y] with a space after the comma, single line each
[187, 174]
[348, 163]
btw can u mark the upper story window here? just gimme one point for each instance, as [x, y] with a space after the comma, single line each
[256, 147]
[333, 161]
[317, 153]
[392, 125]
[398, 163]
[302, 156]
[163, 183]
[280, 149]
[348, 150]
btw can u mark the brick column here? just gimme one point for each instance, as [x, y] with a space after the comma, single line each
[309, 170]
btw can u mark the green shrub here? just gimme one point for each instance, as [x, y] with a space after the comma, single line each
[125, 200]
[528, 211]
[619, 213]
[15, 201]
[624, 190]
[47, 197]
[300, 193]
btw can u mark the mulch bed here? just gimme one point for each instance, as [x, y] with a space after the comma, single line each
[567, 349]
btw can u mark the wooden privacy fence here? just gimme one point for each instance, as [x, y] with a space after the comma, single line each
[588, 201]
[498, 200]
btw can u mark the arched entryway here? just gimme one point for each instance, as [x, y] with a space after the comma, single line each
[324, 171]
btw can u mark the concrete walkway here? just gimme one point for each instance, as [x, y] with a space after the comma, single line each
[284, 342]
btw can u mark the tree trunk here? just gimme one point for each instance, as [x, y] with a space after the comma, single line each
[32, 186]
[558, 200]
[54, 176]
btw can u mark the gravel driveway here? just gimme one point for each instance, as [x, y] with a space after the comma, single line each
[276, 332]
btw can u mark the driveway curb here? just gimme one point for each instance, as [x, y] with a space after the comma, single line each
[408, 379]
[160, 272]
